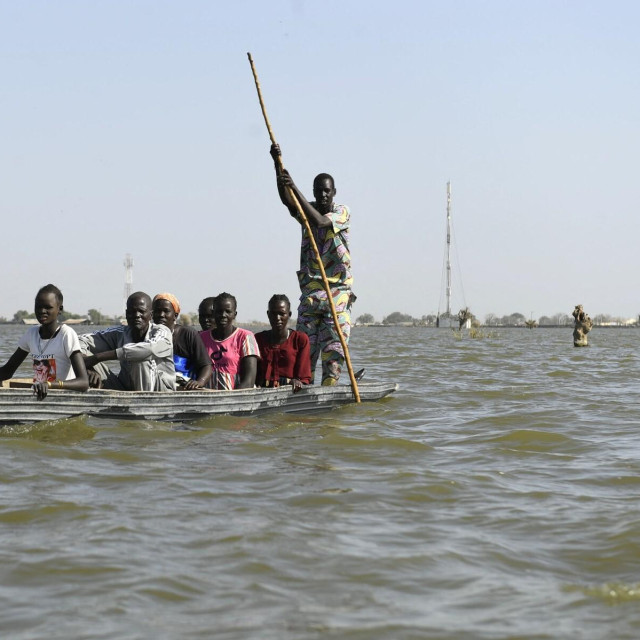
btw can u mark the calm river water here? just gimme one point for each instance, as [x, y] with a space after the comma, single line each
[496, 495]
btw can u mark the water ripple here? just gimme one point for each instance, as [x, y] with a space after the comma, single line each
[494, 496]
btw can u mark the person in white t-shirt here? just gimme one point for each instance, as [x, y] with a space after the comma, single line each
[54, 347]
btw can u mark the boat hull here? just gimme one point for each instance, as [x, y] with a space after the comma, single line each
[21, 406]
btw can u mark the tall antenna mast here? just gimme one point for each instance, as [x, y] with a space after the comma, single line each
[449, 248]
[128, 277]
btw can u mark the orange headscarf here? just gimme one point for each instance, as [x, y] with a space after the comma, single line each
[171, 298]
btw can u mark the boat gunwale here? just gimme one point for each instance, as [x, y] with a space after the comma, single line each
[18, 405]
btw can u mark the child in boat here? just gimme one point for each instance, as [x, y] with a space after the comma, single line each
[57, 361]
[284, 353]
[233, 351]
[205, 314]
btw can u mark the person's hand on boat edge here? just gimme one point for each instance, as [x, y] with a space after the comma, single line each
[296, 384]
[191, 385]
[95, 381]
[40, 389]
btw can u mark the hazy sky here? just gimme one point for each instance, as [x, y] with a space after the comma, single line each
[134, 127]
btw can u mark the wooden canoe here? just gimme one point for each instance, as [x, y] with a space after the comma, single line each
[21, 406]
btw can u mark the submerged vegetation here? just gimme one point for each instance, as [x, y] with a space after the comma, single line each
[476, 333]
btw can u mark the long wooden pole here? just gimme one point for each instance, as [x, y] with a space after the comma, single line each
[312, 240]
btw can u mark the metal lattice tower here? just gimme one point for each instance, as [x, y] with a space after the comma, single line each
[128, 277]
[448, 267]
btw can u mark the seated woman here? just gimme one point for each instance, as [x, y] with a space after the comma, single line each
[193, 367]
[55, 349]
[234, 352]
[284, 353]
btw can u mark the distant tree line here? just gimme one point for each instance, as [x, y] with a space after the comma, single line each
[556, 320]
[93, 316]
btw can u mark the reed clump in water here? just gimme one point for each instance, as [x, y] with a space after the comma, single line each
[476, 333]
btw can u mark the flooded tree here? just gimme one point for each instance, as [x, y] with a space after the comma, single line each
[582, 326]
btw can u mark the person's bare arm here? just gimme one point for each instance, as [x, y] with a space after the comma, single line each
[314, 217]
[81, 381]
[12, 364]
[201, 380]
[248, 371]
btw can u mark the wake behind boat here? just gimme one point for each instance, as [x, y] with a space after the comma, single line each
[19, 405]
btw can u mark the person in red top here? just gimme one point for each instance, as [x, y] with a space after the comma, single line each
[284, 353]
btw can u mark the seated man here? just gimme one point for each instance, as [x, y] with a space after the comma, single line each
[193, 366]
[144, 349]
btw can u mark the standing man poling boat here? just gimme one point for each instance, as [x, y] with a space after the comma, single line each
[329, 223]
